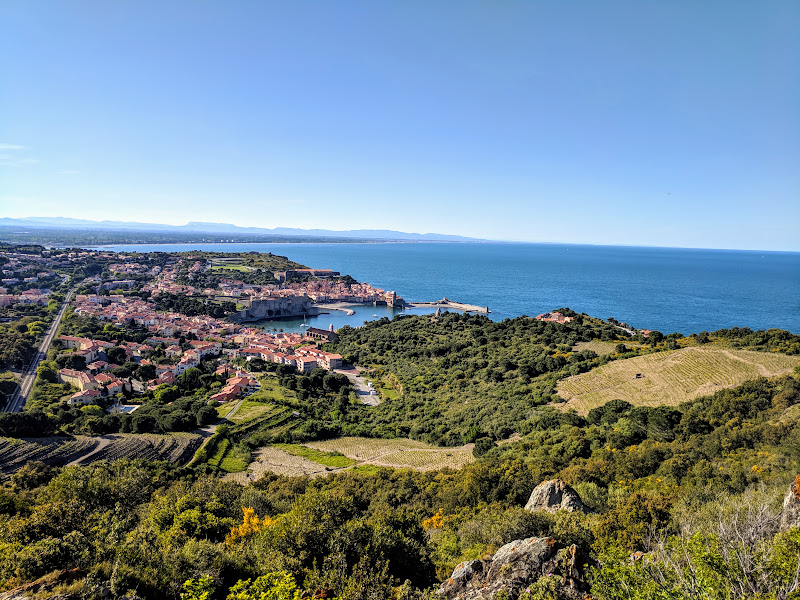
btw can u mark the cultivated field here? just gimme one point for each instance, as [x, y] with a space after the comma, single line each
[397, 453]
[602, 348]
[274, 460]
[82, 450]
[669, 377]
[14, 453]
[368, 449]
[248, 411]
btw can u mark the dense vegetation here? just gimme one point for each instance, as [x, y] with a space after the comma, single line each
[250, 267]
[193, 305]
[456, 378]
[151, 526]
[695, 487]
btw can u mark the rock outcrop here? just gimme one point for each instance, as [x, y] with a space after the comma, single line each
[516, 566]
[552, 496]
[790, 517]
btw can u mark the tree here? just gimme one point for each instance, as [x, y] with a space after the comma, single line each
[482, 446]
[279, 585]
[116, 355]
[70, 360]
[46, 373]
[198, 589]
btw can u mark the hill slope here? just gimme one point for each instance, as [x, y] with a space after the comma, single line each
[670, 377]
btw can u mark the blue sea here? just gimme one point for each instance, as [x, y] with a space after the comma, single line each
[668, 289]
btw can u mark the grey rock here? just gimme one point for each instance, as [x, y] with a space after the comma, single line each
[790, 517]
[552, 496]
[515, 566]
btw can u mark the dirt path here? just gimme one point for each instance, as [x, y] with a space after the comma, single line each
[104, 442]
[762, 370]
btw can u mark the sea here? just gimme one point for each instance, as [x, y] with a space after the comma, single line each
[665, 289]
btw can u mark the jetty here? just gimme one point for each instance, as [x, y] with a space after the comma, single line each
[342, 306]
[447, 303]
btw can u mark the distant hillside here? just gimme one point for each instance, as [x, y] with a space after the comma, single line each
[670, 377]
[232, 231]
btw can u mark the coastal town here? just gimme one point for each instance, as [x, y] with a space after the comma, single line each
[123, 291]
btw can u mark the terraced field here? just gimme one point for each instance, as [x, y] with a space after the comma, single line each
[669, 377]
[397, 453]
[177, 448]
[14, 453]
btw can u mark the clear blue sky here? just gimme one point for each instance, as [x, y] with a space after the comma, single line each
[642, 122]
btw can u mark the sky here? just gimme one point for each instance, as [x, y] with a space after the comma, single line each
[640, 122]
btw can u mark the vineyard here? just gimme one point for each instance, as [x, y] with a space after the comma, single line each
[670, 377]
[600, 347]
[397, 453]
[274, 460]
[175, 448]
[321, 458]
[368, 449]
[14, 453]
[81, 450]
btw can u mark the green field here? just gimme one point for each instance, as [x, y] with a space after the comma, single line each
[227, 267]
[669, 377]
[271, 391]
[250, 410]
[225, 456]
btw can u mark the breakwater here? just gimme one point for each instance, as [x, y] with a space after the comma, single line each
[447, 303]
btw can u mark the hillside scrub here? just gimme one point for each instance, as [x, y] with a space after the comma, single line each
[654, 481]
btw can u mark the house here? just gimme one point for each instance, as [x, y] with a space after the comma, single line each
[173, 351]
[305, 363]
[315, 333]
[83, 397]
[112, 383]
[80, 379]
[554, 317]
[97, 366]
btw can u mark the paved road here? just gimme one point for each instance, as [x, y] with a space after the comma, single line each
[365, 393]
[17, 402]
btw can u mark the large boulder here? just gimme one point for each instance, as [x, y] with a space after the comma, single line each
[516, 566]
[552, 496]
[790, 517]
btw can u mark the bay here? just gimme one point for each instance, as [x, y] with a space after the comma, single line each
[668, 289]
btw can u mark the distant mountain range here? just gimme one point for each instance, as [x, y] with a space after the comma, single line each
[226, 228]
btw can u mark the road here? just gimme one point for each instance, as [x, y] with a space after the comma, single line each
[364, 391]
[17, 402]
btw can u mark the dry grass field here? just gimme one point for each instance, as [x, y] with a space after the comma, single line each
[397, 453]
[274, 460]
[601, 348]
[367, 449]
[669, 377]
